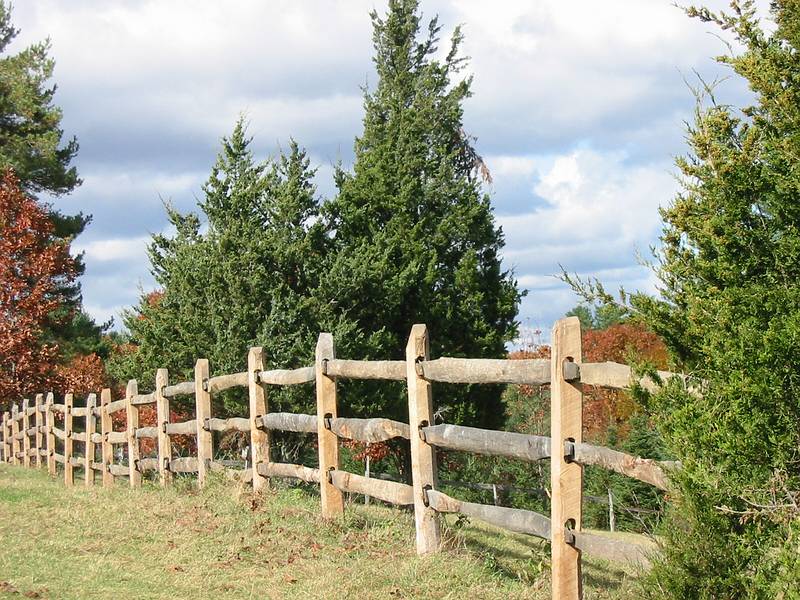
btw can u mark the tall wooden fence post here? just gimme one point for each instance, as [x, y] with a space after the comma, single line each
[88, 461]
[205, 441]
[106, 426]
[14, 432]
[162, 420]
[328, 442]
[566, 477]
[38, 423]
[49, 419]
[7, 437]
[259, 438]
[69, 474]
[26, 439]
[423, 456]
[132, 414]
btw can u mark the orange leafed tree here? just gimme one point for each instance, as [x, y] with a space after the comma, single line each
[32, 267]
[603, 407]
[82, 375]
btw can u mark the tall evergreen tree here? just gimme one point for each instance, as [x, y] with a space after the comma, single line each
[31, 145]
[413, 234]
[729, 311]
[243, 282]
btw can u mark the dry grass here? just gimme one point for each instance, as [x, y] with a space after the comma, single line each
[225, 543]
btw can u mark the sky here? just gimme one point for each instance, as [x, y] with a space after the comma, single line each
[579, 110]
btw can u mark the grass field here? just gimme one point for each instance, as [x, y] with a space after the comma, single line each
[223, 542]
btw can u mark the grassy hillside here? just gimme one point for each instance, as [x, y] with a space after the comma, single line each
[225, 543]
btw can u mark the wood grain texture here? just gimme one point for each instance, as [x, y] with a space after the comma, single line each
[275, 469]
[202, 400]
[7, 451]
[117, 406]
[182, 428]
[487, 370]
[331, 498]
[566, 479]
[388, 491]
[26, 440]
[162, 421]
[288, 376]
[298, 423]
[132, 413]
[367, 369]
[231, 424]
[143, 399]
[512, 519]
[146, 433]
[369, 430]
[650, 471]
[220, 383]
[89, 429]
[258, 407]
[423, 456]
[38, 437]
[185, 388]
[613, 549]
[485, 441]
[69, 475]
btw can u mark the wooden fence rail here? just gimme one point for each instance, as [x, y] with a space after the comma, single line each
[30, 431]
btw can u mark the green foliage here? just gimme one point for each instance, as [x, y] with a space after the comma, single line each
[413, 235]
[600, 316]
[30, 134]
[730, 314]
[410, 238]
[245, 281]
[31, 145]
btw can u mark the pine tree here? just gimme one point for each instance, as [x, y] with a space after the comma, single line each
[245, 281]
[31, 145]
[730, 313]
[413, 234]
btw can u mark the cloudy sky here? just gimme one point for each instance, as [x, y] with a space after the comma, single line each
[578, 109]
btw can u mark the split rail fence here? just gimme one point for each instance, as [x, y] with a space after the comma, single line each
[29, 436]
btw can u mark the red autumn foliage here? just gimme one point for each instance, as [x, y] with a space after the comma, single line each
[32, 267]
[82, 375]
[375, 451]
[602, 407]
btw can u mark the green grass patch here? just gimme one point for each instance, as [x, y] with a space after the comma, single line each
[224, 542]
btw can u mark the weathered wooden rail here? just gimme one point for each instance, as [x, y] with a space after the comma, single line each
[37, 441]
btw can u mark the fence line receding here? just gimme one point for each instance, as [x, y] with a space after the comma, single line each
[31, 438]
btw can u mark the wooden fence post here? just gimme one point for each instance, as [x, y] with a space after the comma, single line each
[69, 474]
[611, 516]
[566, 477]
[132, 414]
[91, 426]
[106, 426]
[328, 442]
[162, 420]
[14, 432]
[202, 398]
[38, 422]
[49, 418]
[7, 437]
[423, 456]
[26, 439]
[259, 438]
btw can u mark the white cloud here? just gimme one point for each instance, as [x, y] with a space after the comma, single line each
[115, 250]
[578, 107]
